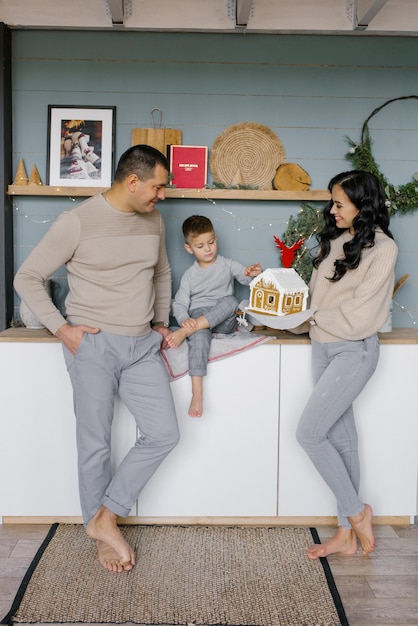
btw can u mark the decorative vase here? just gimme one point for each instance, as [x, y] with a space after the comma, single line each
[27, 317]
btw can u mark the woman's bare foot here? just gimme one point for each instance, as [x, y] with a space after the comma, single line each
[343, 542]
[362, 527]
[176, 338]
[114, 551]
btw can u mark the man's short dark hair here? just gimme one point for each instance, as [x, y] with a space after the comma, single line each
[140, 160]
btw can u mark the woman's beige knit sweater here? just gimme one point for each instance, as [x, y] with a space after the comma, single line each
[356, 306]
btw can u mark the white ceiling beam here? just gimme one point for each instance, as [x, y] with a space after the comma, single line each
[243, 12]
[189, 15]
[367, 11]
[299, 16]
[116, 11]
[55, 13]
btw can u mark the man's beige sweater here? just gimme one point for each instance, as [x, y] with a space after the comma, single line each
[117, 267]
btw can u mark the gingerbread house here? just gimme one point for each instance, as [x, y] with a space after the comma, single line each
[278, 291]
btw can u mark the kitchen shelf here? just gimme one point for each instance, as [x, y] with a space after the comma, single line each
[214, 194]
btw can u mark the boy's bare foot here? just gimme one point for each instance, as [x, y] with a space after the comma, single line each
[343, 542]
[196, 406]
[114, 551]
[176, 338]
[362, 527]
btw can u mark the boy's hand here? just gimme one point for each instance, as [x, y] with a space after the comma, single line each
[253, 270]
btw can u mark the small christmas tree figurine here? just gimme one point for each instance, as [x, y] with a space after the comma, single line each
[21, 177]
[34, 178]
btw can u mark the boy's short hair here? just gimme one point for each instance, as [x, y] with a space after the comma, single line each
[196, 225]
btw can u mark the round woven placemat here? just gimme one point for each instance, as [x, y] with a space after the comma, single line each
[246, 154]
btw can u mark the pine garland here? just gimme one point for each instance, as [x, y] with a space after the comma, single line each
[400, 199]
[308, 222]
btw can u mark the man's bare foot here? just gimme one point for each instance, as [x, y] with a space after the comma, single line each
[109, 558]
[362, 527]
[103, 528]
[176, 338]
[196, 406]
[343, 542]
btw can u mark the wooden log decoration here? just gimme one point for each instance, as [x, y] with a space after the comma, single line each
[291, 177]
[157, 137]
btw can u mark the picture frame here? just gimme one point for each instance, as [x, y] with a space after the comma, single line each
[81, 144]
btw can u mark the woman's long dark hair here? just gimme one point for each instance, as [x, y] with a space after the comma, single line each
[366, 193]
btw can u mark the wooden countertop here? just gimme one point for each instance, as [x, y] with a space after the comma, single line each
[397, 336]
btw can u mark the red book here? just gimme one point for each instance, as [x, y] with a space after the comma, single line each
[189, 166]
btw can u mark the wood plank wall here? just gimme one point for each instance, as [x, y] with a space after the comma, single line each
[312, 91]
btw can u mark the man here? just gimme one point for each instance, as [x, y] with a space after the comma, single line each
[113, 246]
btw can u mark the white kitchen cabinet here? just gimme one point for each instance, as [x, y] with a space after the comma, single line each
[387, 425]
[226, 461]
[240, 460]
[37, 432]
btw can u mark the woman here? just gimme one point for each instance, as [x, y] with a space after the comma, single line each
[351, 289]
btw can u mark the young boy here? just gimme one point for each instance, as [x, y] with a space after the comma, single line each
[205, 301]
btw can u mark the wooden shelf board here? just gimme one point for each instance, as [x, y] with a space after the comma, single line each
[21, 334]
[215, 194]
[45, 190]
[248, 194]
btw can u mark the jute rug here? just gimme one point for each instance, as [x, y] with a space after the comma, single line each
[184, 575]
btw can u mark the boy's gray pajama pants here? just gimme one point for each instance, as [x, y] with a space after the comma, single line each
[222, 319]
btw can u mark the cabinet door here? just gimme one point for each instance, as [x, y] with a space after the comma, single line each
[386, 417]
[302, 491]
[226, 461]
[38, 459]
[37, 440]
[386, 421]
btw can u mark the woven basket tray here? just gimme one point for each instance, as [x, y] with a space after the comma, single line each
[246, 154]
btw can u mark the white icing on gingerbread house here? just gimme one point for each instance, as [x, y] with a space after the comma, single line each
[278, 291]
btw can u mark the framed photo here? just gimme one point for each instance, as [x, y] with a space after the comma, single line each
[80, 146]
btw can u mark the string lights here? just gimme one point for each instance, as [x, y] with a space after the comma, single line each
[30, 218]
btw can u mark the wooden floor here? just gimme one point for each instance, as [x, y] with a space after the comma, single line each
[378, 590]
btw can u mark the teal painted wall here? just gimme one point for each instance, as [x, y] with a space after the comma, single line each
[312, 91]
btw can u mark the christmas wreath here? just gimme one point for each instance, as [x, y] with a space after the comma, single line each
[400, 199]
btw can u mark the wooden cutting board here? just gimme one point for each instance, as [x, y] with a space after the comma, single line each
[157, 137]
